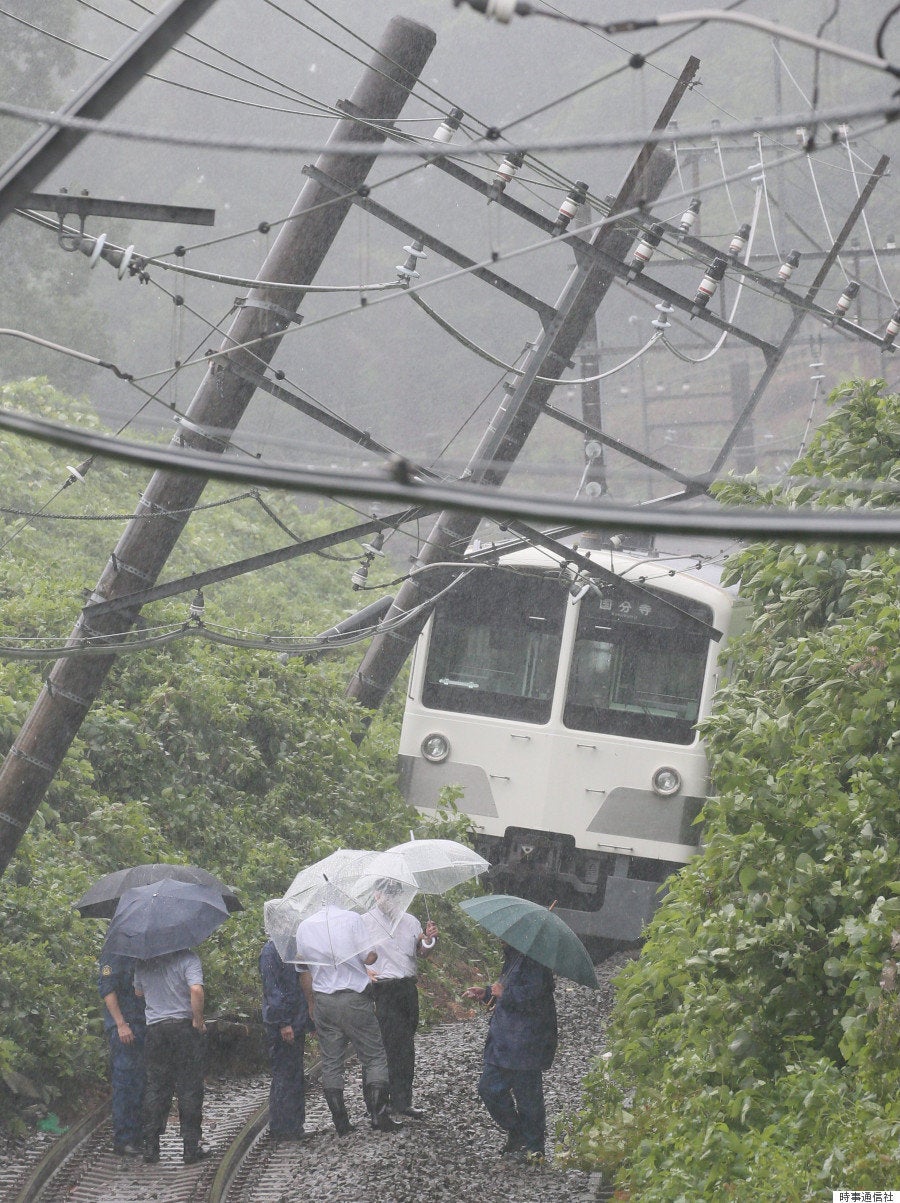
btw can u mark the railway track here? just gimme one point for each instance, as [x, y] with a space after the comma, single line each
[452, 1154]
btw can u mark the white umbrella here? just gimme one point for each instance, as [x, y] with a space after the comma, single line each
[439, 865]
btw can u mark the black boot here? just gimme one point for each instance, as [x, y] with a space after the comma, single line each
[380, 1109]
[335, 1101]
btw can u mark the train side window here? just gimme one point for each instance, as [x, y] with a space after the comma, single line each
[494, 646]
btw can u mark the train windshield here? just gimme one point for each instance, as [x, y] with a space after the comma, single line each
[495, 645]
[637, 667]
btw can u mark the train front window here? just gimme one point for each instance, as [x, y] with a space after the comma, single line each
[637, 667]
[494, 646]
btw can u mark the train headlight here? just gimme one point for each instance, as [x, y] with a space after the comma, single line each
[666, 782]
[435, 747]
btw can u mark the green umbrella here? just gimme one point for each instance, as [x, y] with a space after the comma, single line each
[536, 931]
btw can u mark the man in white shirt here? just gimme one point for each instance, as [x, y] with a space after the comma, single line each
[396, 993]
[335, 947]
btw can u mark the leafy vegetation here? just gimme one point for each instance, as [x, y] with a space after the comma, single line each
[755, 1047]
[196, 753]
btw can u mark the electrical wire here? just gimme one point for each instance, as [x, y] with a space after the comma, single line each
[702, 16]
[150, 517]
[865, 221]
[508, 368]
[590, 227]
[765, 188]
[888, 109]
[174, 83]
[800, 522]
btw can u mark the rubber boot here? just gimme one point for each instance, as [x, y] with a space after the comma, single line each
[335, 1101]
[380, 1109]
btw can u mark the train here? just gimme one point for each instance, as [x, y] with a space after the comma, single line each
[558, 696]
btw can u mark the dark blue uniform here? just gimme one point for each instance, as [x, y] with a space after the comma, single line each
[127, 1072]
[521, 1044]
[284, 1005]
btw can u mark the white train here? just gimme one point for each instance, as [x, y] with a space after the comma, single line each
[564, 705]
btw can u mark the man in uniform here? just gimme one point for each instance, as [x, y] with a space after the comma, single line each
[123, 1019]
[521, 1044]
[286, 1021]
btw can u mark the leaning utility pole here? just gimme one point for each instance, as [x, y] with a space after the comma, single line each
[214, 413]
[520, 410]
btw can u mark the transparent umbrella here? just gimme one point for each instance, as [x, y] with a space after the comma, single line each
[439, 865]
[348, 880]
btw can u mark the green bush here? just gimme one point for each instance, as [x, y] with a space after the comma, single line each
[754, 1048]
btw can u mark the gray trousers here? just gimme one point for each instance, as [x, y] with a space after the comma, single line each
[346, 1019]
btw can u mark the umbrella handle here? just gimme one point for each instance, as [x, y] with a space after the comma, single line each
[428, 944]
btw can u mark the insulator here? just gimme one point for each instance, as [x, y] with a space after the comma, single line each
[125, 261]
[802, 134]
[662, 322]
[689, 216]
[577, 195]
[99, 244]
[361, 575]
[892, 330]
[197, 606]
[79, 473]
[709, 284]
[375, 547]
[448, 127]
[787, 268]
[739, 241]
[643, 252]
[506, 172]
[407, 271]
[844, 300]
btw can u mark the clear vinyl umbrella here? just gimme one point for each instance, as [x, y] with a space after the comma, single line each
[439, 865]
[347, 880]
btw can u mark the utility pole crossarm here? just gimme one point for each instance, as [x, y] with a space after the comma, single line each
[544, 311]
[47, 148]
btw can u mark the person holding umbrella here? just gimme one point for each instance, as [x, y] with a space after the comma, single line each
[334, 947]
[124, 1019]
[395, 992]
[157, 925]
[521, 1044]
[523, 1035]
[172, 987]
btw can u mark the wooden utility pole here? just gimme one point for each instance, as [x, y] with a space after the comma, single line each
[520, 410]
[217, 407]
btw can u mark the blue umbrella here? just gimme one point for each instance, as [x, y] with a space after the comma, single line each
[534, 930]
[166, 916]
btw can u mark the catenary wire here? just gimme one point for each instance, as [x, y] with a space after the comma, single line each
[527, 249]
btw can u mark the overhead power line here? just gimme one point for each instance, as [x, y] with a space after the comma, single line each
[889, 109]
[833, 525]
